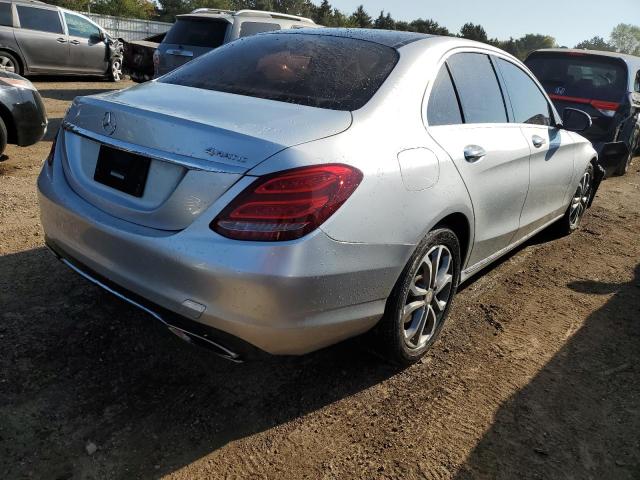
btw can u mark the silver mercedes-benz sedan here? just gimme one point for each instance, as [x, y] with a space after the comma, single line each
[293, 189]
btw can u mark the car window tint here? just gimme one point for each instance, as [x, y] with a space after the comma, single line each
[528, 102]
[39, 19]
[315, 70]
[443, 108]
[79, 27]
[252, 28]
[197, 32]
[478, 88]
[6, 18]
[580, 75]
[637, 82]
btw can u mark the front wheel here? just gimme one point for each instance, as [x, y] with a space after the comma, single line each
[115, 71]
[421, 299]
[579, 203]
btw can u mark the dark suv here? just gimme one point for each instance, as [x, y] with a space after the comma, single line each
[605, 85]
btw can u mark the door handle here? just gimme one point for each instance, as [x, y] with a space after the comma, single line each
[74, 42]
[538, 141]
[61, 40]
[473, 153]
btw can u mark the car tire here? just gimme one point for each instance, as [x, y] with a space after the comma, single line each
[115, 69]
[9, 63]
[4, 136]
[417, 309]
[580, 201]
[623, 168]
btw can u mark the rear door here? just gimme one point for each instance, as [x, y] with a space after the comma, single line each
[87, 49]
[189, 38]
[551, 167]
[41, 38]
[491, 155]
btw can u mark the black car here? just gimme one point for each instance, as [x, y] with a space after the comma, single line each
[23, 119]
[606, 85]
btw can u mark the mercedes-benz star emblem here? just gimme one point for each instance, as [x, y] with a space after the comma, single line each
[109, 123]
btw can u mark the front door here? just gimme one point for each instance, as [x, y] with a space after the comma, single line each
[88, 52]
[551, 165]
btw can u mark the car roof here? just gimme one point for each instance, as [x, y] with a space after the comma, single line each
[389, 38]
[631, 60]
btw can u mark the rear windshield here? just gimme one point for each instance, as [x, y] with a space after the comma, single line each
[197, 32]
[580, 75]
[319, 71]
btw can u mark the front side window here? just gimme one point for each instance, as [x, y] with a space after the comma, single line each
[80, 27]
[315, 70]
[6, 18]
[253, 28]
[529, 104]
[39, 19]
[443, 108]
[478, 88]
[197, 32]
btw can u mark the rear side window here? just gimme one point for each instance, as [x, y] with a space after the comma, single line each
[252, 28]
[443, 108]
[39, 19]
[6, 18]
[528, 102]
[478, 88]
[580, 75]
[197, 33]
[319, 71]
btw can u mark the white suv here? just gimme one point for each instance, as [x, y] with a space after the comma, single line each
[204, 29]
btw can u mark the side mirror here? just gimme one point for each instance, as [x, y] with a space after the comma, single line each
[96, 38]
[575, 120]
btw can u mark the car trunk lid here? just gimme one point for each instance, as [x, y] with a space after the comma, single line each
[197, 145]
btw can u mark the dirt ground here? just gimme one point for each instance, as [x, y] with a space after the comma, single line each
[536, 374]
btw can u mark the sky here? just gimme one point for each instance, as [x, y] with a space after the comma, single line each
[569, 21]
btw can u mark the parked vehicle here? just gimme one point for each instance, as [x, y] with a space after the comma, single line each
[36, 38]
[23, 119]
[605, 85]
[297, 188]
[204, 29]
[138, 57]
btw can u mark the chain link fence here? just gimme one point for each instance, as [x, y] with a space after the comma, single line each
[128, 28]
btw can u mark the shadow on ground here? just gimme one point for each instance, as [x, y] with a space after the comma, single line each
[80, 366]
[581, 413]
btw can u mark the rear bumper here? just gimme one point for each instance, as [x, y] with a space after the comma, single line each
[287, 298]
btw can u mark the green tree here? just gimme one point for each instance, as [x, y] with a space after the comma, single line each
[626, 38]
[428, 26]
[385, 22]
[124, 8]
[530, 42]
[471, 31]
[323, 14]
[596, 43]
[361, 19]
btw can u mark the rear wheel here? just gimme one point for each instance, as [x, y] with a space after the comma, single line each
[579, 203]
[624, 167]
[9, 63]
[421, 299]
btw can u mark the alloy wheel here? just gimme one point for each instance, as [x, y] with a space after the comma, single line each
[116, 70]
[428, 297]
[7, 64]
[580, 199]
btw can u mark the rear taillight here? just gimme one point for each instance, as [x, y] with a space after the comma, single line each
[287, 205]
[606, 108]
[52, 152]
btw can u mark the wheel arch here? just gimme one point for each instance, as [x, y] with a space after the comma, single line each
[9, 122]
[459, 224]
